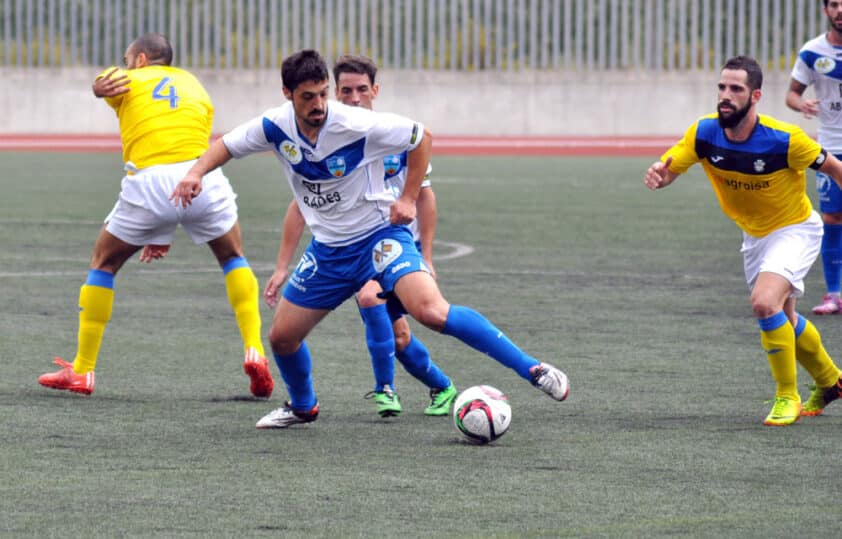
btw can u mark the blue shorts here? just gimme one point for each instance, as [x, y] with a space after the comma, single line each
[327, 276]
[393, 305]
[830, 195]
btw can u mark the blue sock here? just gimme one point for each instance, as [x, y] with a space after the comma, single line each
[380, 340]
[415, 358]
[296, 370]
[832, 257]
[476, 331]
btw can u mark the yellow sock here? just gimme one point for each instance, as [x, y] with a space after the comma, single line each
[96, 298]
[811, 354]
[778, 340]
[243, 295]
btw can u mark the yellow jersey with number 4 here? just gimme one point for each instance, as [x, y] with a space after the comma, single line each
[760, 182]
[165, 117]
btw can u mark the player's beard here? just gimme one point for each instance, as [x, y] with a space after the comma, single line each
[735, 118]
[314, 122]
[836, 24]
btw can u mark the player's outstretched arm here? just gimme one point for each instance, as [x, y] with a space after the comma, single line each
[109, 86]
[290, 236]
[658, 175]
[795, 100]
[190, 187]
[403, 211]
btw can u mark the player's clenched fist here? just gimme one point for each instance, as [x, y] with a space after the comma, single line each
[402, 212]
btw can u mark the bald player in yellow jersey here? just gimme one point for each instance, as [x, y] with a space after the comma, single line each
[756, 165]
[165, 124]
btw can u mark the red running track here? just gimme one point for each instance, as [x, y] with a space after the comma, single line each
[442, 145]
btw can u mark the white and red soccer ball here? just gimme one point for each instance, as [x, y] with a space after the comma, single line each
[482, 414]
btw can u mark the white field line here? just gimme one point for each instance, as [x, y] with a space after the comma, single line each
[455, 250]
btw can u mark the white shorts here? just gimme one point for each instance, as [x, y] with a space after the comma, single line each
[788, 252]
[144, 213]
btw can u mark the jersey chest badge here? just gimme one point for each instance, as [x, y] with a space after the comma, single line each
[392, 164]
[336, 165]
[824, 65]
[291, 152]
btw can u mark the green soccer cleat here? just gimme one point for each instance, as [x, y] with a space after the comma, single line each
[821, 397]
[784, 412]
[388, 403]
[440, 401]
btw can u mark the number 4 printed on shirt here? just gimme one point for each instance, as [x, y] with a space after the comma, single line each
[158, 92]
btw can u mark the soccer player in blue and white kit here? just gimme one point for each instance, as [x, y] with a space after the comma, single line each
[388, 335]
[819, 63]
[333, 159]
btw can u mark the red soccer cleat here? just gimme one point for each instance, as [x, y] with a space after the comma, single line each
[67, 379]
[257, 368]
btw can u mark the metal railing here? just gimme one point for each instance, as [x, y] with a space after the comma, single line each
[659, 35]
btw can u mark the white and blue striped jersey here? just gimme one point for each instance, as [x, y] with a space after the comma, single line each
[819, 63]
[338, 181]
[395, 168]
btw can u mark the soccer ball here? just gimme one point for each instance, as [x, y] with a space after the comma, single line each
[482, 414]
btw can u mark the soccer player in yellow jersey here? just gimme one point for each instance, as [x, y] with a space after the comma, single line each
[165, 124]
[757, 165]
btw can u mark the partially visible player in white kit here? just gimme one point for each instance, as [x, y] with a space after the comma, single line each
[333, 159]
[819, 63]
[388, 335]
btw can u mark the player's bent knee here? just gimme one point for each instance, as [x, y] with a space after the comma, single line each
[366, 301]
[431, 316]
[402, 335]
[764, 309]
[281, 343]
[367, 295]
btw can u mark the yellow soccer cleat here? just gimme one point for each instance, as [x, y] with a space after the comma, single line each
[821, 397]
[784, 412]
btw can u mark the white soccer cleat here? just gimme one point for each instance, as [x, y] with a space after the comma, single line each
[285, 416]
[550, 380]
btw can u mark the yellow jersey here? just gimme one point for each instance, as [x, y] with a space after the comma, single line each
[165, 117]
[760, 182]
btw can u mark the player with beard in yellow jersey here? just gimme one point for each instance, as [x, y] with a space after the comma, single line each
[165, 124]
[756, 166]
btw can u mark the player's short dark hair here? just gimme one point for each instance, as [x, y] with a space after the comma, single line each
[748, 64]
[350, 63]
[302, 66]
[156, 47]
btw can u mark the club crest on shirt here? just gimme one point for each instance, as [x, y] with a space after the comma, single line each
[291, 152]
[824, 65]
[392, 164]
[336, 165]
[759, 165]
[384, 253]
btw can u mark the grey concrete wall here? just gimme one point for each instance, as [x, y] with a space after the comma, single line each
[450, 103]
